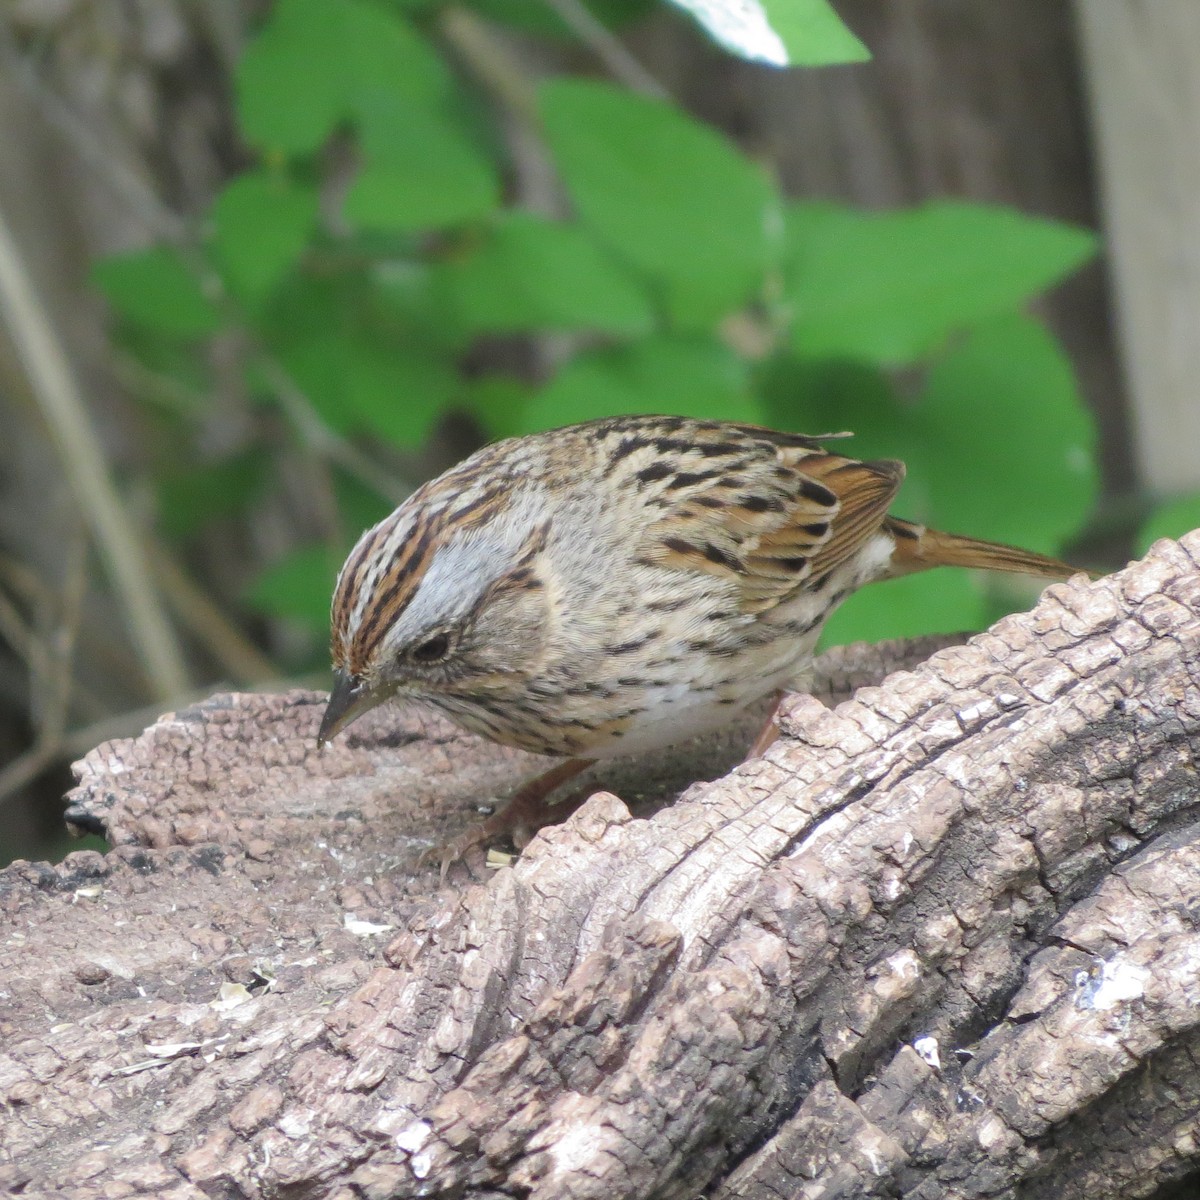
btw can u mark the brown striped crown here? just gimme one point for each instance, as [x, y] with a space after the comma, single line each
[381, 576]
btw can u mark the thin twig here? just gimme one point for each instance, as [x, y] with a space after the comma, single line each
[36, 596]
[318, 435]
[239, 657]
[608, 48]
[536, 185]
[154, 387]
[26, 767]
[78, 443]
[61, 643]
[491, 61]
[20, 637]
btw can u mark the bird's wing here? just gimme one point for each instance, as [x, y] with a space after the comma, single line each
[865, 491]
[772, 513]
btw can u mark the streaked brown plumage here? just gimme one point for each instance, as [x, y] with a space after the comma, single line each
[611, 587]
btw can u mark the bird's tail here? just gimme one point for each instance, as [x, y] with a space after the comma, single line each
[919, 548]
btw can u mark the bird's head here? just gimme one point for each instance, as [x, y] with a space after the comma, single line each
[447, 597]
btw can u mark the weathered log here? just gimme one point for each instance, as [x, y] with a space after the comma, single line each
[939, 942]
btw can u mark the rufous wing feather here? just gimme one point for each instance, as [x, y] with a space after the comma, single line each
[864, 491]
[784, 514]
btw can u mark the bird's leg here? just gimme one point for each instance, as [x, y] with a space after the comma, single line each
[768, 734]
[523, 815]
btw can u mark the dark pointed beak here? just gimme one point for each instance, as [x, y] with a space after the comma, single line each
[348, 701]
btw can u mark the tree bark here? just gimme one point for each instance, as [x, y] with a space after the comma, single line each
[941, 941]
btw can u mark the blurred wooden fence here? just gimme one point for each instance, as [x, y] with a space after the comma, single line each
[1142, 65]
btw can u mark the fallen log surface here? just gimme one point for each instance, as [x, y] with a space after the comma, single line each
[941, 941]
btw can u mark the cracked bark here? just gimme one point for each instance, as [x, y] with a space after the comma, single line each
[942, 941]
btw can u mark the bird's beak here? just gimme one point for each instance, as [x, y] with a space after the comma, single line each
[348, 701]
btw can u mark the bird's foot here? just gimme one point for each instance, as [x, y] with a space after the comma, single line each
[768, 735]
[525, 813]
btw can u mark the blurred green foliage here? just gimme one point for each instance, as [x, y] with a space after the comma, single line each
[1172, 519]
[373, 246]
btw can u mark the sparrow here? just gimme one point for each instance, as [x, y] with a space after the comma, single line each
[612, 587]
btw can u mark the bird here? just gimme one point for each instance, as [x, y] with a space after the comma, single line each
[612, 587]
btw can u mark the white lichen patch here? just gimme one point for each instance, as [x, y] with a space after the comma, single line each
[412, 1137]
[295, 1124]
[358, 928]
[1116, 982]
[927, 1047]
[577, 1148]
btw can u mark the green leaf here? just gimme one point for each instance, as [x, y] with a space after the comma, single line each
[357, 385]
[262, 224]
[316, 64]
[813, 33]
[422, 169]
[1171, 520]
[692, 376]
[156, 289]
[805, 33]
[298, 586]
[290, 86]
[939, 601]
[670, 195]
[188, 499]
[385, 196]
[890, 287]
[532, 274]
[817, 396]
[313, 305]
[359, 506]
[1006, 442]
[406, 295]
[501, 405]
[180, 379]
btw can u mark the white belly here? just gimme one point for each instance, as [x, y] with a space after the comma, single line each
[680, 711]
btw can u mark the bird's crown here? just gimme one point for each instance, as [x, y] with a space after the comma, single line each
[431, 562]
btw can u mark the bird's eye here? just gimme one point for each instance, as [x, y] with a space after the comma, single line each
[433, 649]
